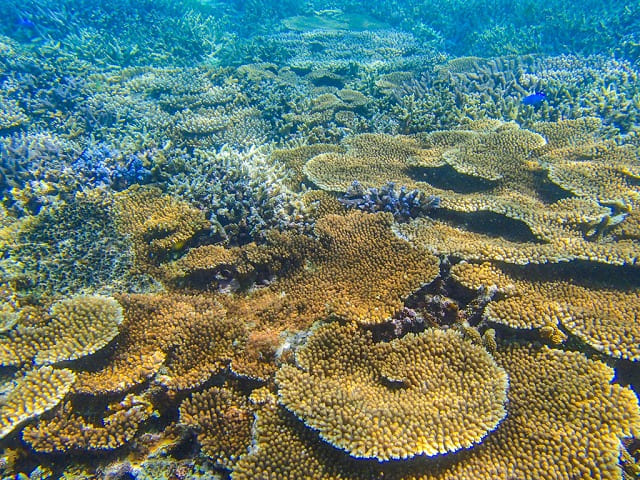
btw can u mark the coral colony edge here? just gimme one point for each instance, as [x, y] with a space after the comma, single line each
[305, 240]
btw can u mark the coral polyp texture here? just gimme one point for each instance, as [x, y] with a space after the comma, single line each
[74, 328]
[36, 392]
[561, 405]
[604, 317]
[319, 240]
[223, 419]
[386, 401]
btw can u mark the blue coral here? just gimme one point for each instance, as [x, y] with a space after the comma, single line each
[403, 204]
[102, 165]
[243, 193]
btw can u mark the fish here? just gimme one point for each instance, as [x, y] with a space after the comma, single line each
[535, 99]
[25, 22]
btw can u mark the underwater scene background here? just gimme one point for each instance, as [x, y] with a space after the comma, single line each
[319, 240]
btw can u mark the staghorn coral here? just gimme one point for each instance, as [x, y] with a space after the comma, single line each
[602, 316]
[561, 406]
[74, 328]
[67, 431]
[35, 393]
[402, 204]
[189, 337]
[242, 193]
[383, 400]
[223, 419]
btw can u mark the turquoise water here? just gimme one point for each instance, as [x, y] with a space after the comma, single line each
[282, 240]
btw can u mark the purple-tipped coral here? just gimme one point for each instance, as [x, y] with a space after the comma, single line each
[403, 204]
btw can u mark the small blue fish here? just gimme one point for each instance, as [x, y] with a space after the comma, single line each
[25, 22]
[535, 99]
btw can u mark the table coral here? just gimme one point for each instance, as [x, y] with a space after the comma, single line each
[223, 419]
[602, 316]
[190, 336]
[496, 171]
[35, 393]
[385, 401]
[157, 223]
[562, 407]
[364, 272]
[74, 328]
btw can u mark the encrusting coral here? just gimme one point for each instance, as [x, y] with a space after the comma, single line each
[602, 316]
[561, 406]
[385, 400]
[36, 392]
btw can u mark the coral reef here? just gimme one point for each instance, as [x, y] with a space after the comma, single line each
[73, 247]
[221, 256]
[558, 402]
[156, 223]
[189, 337]
[36, 392]
[383, 400]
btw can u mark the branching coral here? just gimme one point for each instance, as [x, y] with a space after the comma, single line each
[242, 193]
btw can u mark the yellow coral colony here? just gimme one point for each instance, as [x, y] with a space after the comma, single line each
[38, 391]
[564, 420]
[426, 394]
